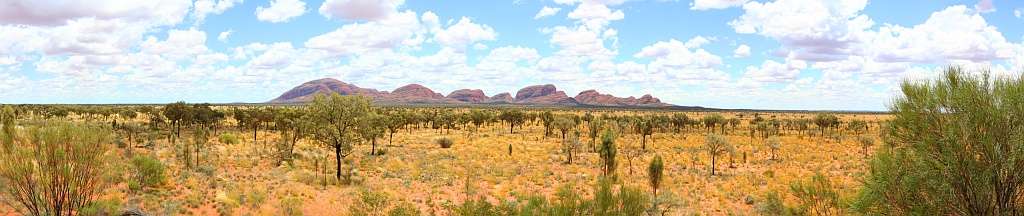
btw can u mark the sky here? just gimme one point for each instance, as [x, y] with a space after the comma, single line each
[743, 54]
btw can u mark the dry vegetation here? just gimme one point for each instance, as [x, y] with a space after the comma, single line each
[236, 173]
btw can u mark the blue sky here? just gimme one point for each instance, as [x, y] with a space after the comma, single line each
[784, 54]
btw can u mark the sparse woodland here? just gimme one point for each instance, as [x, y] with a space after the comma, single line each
[951, 146]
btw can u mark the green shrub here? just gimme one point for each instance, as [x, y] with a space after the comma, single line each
[67, 157]
[445, 142]
[134, 185]
[102, 207]
[369, 203]
[290, 207]
[228, 138]
[404, 209]
[382, 151]
[148, 171]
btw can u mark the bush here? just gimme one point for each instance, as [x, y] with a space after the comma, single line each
[66, 157]
[382, 151]
[148, 171]
[404, 209]
[290, 207]
[445, 142]
[228, 138]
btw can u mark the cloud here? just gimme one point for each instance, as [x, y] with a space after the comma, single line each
[1018, 12]
[603, 2]
[775, 72]
[180, 44]
[581, 40]
[951, 34]
[675, 54]
[281, 11]
[698, 41]
[201, 8]
[223, 37]
[715, 4]
[815, 30]
[90, 36]
[596, 15]
[359, 38]
[463, 33]
[985, 6]
[50, 13]
[364, 10]
[546, 12]
[479, 46]
[741, 51]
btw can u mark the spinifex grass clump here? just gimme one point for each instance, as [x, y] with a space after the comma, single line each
[445, 142]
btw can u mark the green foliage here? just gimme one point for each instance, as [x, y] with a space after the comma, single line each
[568, 200]
[334, 120]
[866, 142]
[607, 151]
[571, 146]
[290, 207]
[61, 157]
[772, 205]
[564, 124]
[445, 142]
[825, 120]
[227, 138]
[955, 146]
[654, 173]
[512, 117]
[369, 203]
[404, 209]
[102, 207]
[148, 171]
[716, 145]
[7, 118]
[818, 197]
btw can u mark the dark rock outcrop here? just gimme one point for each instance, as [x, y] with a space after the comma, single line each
[306, 91]
[470, 96]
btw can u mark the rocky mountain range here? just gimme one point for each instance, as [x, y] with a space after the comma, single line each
[414, 93]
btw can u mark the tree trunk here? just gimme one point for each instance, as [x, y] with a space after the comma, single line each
[712, 165]
[337, 155]
[373, 146]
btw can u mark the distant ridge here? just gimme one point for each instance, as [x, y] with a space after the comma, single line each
[415, 93]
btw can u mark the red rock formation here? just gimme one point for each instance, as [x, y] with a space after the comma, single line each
[543, 94]
[537, 94]
[306, 91]
[592, 97]
[503, 97]
[411, 93]
[471, 96]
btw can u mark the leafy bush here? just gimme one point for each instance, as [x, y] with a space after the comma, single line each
[148, 171]
[228, 138]
[66, 157]
[290, 207]
[404, 209]
[369, 202]
[382, 151]
[445, 142]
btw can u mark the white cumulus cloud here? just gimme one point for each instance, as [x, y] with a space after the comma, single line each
[223, 37]
[365, 10]
[741, 51]
[281, 11]
[546, 12]
[715, 4]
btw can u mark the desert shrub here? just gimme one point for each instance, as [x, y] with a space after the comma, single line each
[480, 206]
[148, 171]
[290, 207]
[369, 203]
[207, 170]
[102, 207]
[228, 138]
[954, 147]
[404, 209]
[445, 142]
[382, 151]
[772, 205]
[65, 157]
[817, 197]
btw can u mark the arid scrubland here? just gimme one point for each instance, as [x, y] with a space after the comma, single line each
[340, 155]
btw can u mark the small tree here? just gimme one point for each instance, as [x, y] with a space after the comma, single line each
[334, 120]
[773, 145]
[512, 117]
[564, 124]
[7, 117]
[866, 142]
[716, 145]
[608, 151]
[371, 127]
[654, 174]
[571, 146]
